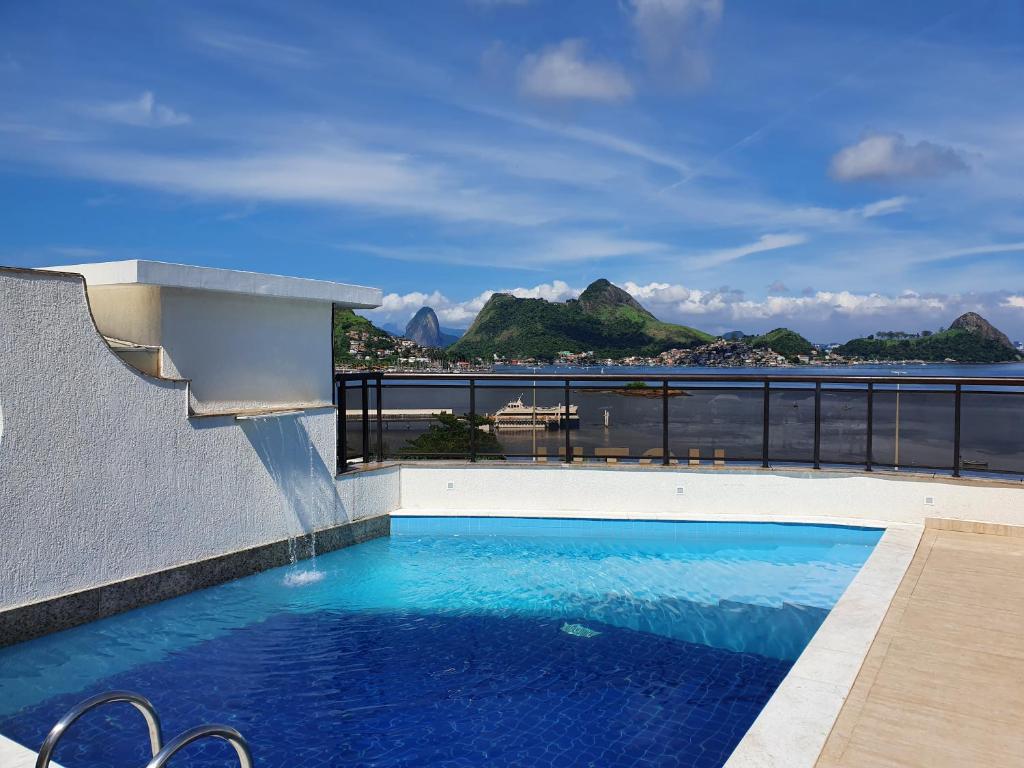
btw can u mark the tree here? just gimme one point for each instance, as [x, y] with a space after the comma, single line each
[451, 437]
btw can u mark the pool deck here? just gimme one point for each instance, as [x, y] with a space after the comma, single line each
[943, 682]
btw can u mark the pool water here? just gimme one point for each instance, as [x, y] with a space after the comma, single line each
[459, 642]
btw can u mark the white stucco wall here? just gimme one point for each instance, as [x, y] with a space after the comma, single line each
[103, 476]
[706, 493]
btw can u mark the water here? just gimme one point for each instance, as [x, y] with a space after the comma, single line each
[460, 642]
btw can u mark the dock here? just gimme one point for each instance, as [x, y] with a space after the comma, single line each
[400, 414]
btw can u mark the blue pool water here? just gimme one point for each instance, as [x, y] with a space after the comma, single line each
[460, 642]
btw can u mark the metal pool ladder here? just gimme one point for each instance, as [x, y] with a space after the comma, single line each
[161, 752]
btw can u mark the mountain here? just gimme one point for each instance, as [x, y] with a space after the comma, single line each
[974, 323]
[969, 339]
[782, 341]
[425, 330]
[605, 319]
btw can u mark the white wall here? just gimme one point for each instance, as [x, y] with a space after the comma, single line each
[103, 476]
[707, 493]
[245, 352]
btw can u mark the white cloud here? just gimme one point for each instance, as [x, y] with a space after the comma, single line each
[1013, 301]
[674, 36]
[762, 244]
[562, 73]
[143, 111]
[885, 207]
[398, 308]
[889, 156]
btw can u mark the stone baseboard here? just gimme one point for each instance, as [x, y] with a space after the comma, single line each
[41, 618]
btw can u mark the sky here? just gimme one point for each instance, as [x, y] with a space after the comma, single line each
[837, 167]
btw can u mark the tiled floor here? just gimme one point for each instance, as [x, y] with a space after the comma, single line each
[943, 683]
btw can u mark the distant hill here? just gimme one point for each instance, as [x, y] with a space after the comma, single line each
[782, 341]
[970, 339]
[426, 331]
[605, 319]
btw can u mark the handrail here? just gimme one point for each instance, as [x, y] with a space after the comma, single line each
[751, 378]
[225, 732]
[661, 384]
[141, 703]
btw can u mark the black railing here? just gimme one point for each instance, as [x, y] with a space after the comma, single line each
[914, 422]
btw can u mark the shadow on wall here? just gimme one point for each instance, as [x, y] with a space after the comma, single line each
[297, 468]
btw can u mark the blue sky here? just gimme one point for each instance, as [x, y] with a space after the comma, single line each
[839, 167]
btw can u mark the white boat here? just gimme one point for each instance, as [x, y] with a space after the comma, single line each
[517, 415]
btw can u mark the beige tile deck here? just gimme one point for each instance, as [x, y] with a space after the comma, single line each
[943, 683]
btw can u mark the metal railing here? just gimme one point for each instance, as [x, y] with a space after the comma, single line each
[161, 752]
[899, 421]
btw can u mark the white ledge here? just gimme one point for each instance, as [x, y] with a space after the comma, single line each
[158, 273]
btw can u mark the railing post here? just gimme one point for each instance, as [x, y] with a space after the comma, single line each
[817, 425]
[472, 420]
[956, 431]
[568, 439]
[366, 420]
[664, 423]
[870, 447]
[380, 417]
[765, 426]
[342, 402]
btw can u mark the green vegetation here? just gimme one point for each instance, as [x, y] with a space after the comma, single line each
[605, 320]
[345, 320]
[636, 385]
[954, 344]
[451, 436]
[782, 341]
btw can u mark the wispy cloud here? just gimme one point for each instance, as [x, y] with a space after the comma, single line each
[563, 73]
[596, 138]
[891, 156]
[143, 111]
[885, 207]
[539, 251]
[327, 175]
[725, 255]
[256, 49]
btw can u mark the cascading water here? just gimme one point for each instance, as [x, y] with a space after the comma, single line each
[298, 470]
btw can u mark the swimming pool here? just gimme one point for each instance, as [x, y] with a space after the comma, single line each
[460, 642]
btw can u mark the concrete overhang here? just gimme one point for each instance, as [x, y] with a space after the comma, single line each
[158, 273]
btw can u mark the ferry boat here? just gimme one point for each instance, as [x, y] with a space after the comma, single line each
[517, 415]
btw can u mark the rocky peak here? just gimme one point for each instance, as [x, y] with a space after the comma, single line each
[424, 328]
[602, 295]
[974, 323]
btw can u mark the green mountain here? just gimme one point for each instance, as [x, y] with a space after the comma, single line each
[348, 324]
[604, 319]
[970, 339]
[782, 341]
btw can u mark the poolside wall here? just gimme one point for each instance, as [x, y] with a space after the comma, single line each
[707, 492]
[104, 477]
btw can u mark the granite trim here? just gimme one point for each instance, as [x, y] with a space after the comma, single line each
[46, 616]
